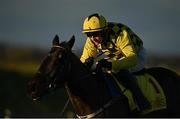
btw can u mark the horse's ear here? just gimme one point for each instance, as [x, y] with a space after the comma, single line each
[56, 40]
[71, 41]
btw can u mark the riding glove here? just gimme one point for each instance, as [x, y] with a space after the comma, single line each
[103, 63]
[89, 62]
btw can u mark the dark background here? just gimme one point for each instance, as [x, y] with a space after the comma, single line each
[28, 27]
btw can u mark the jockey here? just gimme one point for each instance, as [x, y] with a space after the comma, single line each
[123, 48]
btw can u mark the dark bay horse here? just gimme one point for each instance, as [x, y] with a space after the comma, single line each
[88, 93]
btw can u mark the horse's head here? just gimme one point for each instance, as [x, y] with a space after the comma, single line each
[52, 71]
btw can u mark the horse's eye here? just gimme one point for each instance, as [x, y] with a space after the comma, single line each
[59, 56]
[49, 54]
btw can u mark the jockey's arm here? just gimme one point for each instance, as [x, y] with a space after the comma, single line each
[88, 51]
[129, 59]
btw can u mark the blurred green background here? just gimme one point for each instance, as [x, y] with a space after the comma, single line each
[17, 65]
[28, 27]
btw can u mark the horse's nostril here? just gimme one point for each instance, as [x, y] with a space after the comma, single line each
[35, 99]
[34, 96]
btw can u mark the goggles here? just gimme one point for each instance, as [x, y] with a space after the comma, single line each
[94, 34]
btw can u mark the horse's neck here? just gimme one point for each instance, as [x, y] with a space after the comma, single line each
[81, 107]
[85, 92]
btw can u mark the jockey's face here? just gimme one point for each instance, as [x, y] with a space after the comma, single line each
[96, 37]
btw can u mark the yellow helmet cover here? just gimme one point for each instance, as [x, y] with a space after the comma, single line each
[94, 22]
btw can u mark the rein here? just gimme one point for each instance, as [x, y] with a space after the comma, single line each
[68, 69]
[65, 106]
[53, 85]
[92, 115]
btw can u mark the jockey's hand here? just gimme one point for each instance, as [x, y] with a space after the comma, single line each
[103, 63]
[89, 62]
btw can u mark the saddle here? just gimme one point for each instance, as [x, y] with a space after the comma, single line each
[150, 88]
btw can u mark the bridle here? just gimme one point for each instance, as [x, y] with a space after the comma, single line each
[52, 84]
[52, 77]
[63, 74]
[100, 110]
[65, 68]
